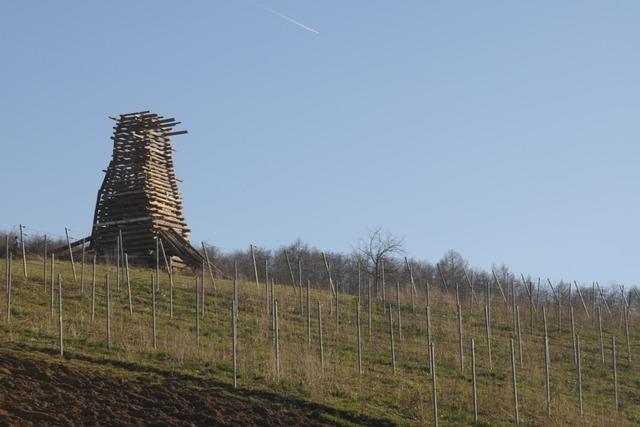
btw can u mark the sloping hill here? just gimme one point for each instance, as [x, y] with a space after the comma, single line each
[189, 380]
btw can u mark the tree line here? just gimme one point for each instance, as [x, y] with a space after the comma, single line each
[378, 258]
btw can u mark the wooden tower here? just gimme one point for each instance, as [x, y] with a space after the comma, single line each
[139, 200]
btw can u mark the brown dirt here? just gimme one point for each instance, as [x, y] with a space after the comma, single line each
[34, 391]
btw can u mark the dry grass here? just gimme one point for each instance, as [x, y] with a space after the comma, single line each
[402, 399]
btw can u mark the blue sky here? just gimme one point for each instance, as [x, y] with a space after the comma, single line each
[508, 131]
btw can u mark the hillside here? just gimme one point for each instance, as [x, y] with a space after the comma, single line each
[185, 382]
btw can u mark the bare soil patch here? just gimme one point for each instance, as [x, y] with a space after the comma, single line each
[34, 391]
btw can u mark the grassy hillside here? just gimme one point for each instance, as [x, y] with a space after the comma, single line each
[339, 395]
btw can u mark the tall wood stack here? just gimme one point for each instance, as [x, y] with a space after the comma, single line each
[139, 196]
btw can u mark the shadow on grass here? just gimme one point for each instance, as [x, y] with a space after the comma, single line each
[316, 411]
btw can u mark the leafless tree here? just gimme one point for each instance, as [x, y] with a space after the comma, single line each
[380, 247]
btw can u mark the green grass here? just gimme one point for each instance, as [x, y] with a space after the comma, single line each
[402, 399]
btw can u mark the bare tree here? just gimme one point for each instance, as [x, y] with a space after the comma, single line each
[379, 248]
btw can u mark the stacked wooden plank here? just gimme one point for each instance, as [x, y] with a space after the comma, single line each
[139, 197]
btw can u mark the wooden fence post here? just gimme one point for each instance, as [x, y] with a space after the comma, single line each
[275, 309]
[8, 289]
[53, 282]
[53, 270]
[119, 258]
[108, 302]
[427, 287]
[24, 253]
[600, 334]
[604, 300]
[309, 313]
[235, 283]
[166, 263]
[7, 253]
[369, 320]
[515, 383]
[470, 283]
[255, 265]
[122, 251]
[154, 325]
[267, 298]
[171, 288]
[384, 287]
[273, 301]
[428, 310]
[126, 266]
[473, 375]
[528, 286]
[234, 338]
[266, 285]
[337, 313]
[157, 263]
[326, 265]
[487, 322]
[393, 350]
[44, 264]
[579, 373]
[615, 371]
[593, 296]
[513, 305]
[581, 299]
[359, 282]
[118, 262]
[573, 336]
[82, 268]
[359, 338]
[558, 306]
[434, 390]
[93, 290]
[320, 337]
[623, 304]
[60, 326]
[197, 295]
[442, 278]
[519, 337]
[459, 313]
[300, 284]
[506, 304]
[547, 363]
[413, 287]
[206, 257]
[399, 310]
[202, 296]
[626, 333]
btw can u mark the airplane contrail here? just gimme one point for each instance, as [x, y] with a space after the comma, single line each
[285, 17]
